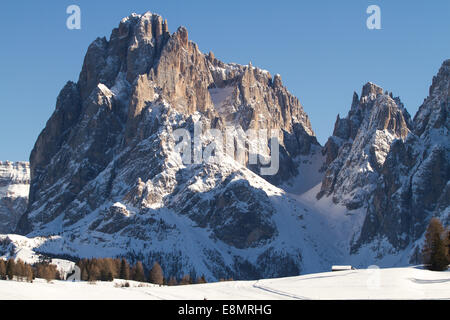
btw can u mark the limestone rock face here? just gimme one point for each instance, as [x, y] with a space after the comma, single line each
[107, 176]
[414, 184]
[14, 188]
[390, 170]
[183, 75]
[250, 98]
[105, 171]
[358, 148]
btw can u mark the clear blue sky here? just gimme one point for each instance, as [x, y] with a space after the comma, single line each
[322, 49]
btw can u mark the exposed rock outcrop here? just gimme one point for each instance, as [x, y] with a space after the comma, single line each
[106, 163]
[14, 188]
[360, 143]
[415, 178]
[394, 170]
[107, 175]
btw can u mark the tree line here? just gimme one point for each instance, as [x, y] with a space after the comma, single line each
[19, 270]
[95, 269]
[108, 269]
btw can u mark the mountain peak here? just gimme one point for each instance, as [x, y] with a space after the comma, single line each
[371, 88]
[111, 141]
[107, 175]
[362, 140]
[434, 113]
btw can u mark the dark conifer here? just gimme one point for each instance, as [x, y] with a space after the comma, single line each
[434, 251]
[201, 280]
[124, 270]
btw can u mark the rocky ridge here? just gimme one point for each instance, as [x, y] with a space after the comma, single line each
[107, 178]
[392, 168]
[105, 172]
[14, 187]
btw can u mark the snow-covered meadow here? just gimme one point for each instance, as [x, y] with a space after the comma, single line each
[390, 283]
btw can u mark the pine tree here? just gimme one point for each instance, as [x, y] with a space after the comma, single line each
[201, 280]
[10, 268]
[47, 271]
[94, 273]
[440, 259]
[172, 281]
[138, 272]
[156, 275]
[435, 256]
[84, 273]
[185, 280]
[29, 273]
[20, 270]
[124, 270]
[117, 263]
[2, 269]
[448, 245]
[105, 270]
[111, 269]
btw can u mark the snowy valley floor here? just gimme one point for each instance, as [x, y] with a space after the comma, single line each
[390, 283]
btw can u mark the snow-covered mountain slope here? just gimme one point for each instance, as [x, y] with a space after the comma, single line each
[224, 220]
[390, 172]
[107, 177]
[361, 141]
[23, 248]
[20, 247]
[14, 188]
[414, 185]
[385, 284]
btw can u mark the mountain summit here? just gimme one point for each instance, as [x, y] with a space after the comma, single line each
[394, 170]
[105, 174]
[108, 177]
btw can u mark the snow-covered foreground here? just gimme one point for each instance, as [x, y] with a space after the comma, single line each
[393, 283]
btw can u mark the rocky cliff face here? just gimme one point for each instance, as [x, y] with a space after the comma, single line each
[393, 169]
[14, 187]
[414, 182]
[107, 177]
[360, 143]
[105, 173]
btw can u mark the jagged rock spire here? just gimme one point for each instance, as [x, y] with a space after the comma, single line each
[362, 139]
[106, 162]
